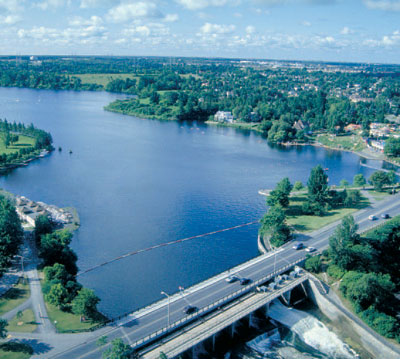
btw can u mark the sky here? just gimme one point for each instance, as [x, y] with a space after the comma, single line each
[321, 30]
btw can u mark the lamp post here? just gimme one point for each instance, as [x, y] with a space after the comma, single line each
[22, 264]
[168, 305]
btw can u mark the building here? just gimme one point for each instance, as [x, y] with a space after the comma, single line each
[223, 116]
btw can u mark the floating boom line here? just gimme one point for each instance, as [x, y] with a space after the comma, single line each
[164, 245]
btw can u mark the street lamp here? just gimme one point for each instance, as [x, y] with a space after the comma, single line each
[168, 305]
[22, 264]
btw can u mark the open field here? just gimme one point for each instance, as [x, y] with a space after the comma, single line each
[103, 79]
[14, 297]
[303, 223]
[345, 142]
[25, 324]
[23, 142]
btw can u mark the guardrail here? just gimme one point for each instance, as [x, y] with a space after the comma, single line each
[224, 322]
[202, 311]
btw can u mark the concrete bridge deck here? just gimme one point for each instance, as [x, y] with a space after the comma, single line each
[223, 318]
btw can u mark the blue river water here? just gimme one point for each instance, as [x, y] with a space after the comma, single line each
[136, 183]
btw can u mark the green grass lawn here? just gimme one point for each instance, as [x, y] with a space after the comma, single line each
[23, 142]
[14, 297]
[65, 321]
[303, 223]
[346, 142]
[103, 79]
[25, 324]
[15, 350]
[378, 196]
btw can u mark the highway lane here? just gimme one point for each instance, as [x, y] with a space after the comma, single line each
[157, 318]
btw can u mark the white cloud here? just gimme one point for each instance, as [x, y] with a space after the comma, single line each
[208, 28]
[386, 5]
[44, 5]
[387, 41]
[250, 29]
[201, 4]
[95, 3]
[306, 23]
[171, 17]
[11, 6]
[133, 10]
[10, 19]
[346, 31]
[92, 21]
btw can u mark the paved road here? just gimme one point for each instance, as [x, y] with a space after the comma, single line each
[139, 326]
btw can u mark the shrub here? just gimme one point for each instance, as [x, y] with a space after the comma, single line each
[335, 271]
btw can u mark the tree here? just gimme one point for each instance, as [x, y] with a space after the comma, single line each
[344, 183]
[43, 225]
[378, 179]
[57, 295]
[359, 180]
[313, 264]
[11, 233]
[57, 272]
[102, 341]
[280, 195]
[3, 330]
[298, 186]
[392, 147]
[85, 303]
[317, 185]
[118, 350]
[353, 198]
[273, 224]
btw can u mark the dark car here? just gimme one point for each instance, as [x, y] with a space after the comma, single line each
[189, 309]
[231, 279]
[385, 215]
[244, 281]
[298, 246]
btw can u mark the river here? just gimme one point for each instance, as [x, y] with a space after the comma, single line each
[137, 183]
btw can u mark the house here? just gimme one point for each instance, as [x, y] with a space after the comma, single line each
[300, 125]
[223, 116]
[352, 127]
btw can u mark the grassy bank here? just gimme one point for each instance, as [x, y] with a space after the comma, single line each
[66, 322]
[15, 350]
[25, 324]
[14, 297]
[346, 142]
[303, 223]
[102, 79]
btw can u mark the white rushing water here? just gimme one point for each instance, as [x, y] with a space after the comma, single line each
[311, 331]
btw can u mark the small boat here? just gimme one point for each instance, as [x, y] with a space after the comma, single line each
[70, 152]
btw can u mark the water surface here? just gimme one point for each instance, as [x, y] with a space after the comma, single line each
[137, 183]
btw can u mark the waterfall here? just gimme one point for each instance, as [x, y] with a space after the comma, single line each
[311, 331]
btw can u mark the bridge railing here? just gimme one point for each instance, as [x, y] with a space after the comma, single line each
[204, 310]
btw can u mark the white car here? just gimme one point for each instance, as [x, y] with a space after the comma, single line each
[372, 217]
[310, 249]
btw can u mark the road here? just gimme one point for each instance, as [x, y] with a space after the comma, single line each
[141, 324]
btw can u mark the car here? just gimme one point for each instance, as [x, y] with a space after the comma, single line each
[231, 279]
[372, 217]
[298, 246]
[189, 309]
[310, 249]
[263, 288]
[244, 281]
[385, 215]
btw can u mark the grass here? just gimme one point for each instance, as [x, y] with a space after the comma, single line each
[102, 79]
[303, 223]
[344, 142]
[25, 324]
[23, 142]
[378, 196]
[14, 297]
[15, 350]
[66, 322]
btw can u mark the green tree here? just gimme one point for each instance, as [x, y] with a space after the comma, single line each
[43, 225]
[353, 198]
[280, 195]
[392, 147]
[57, 295]
[298, 186]
[317, 185]
[3, 329]
[57, 272]
[313, 264]
[359, 180]
[344, 183]
[102, 341]
[273, 225]
[11, 233]
[85, 303]
[379, 179]
[118, 350]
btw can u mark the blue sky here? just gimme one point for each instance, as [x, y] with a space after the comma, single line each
[328, 30]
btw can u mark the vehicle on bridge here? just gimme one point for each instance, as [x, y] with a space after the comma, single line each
[189, 309]
[372, 217]
[244, 281]
[232, 278]
[310, 249]
[385, 215]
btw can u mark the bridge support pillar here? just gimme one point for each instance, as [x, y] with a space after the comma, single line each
[266, 308]
[213, 341]
[233, 327]
[251, 324]
[304, 289]
[286, 297]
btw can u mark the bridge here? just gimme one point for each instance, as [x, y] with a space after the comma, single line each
[149, 325]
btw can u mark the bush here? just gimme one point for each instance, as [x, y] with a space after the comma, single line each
[335, 271]
[313, 264]
[384, 324]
